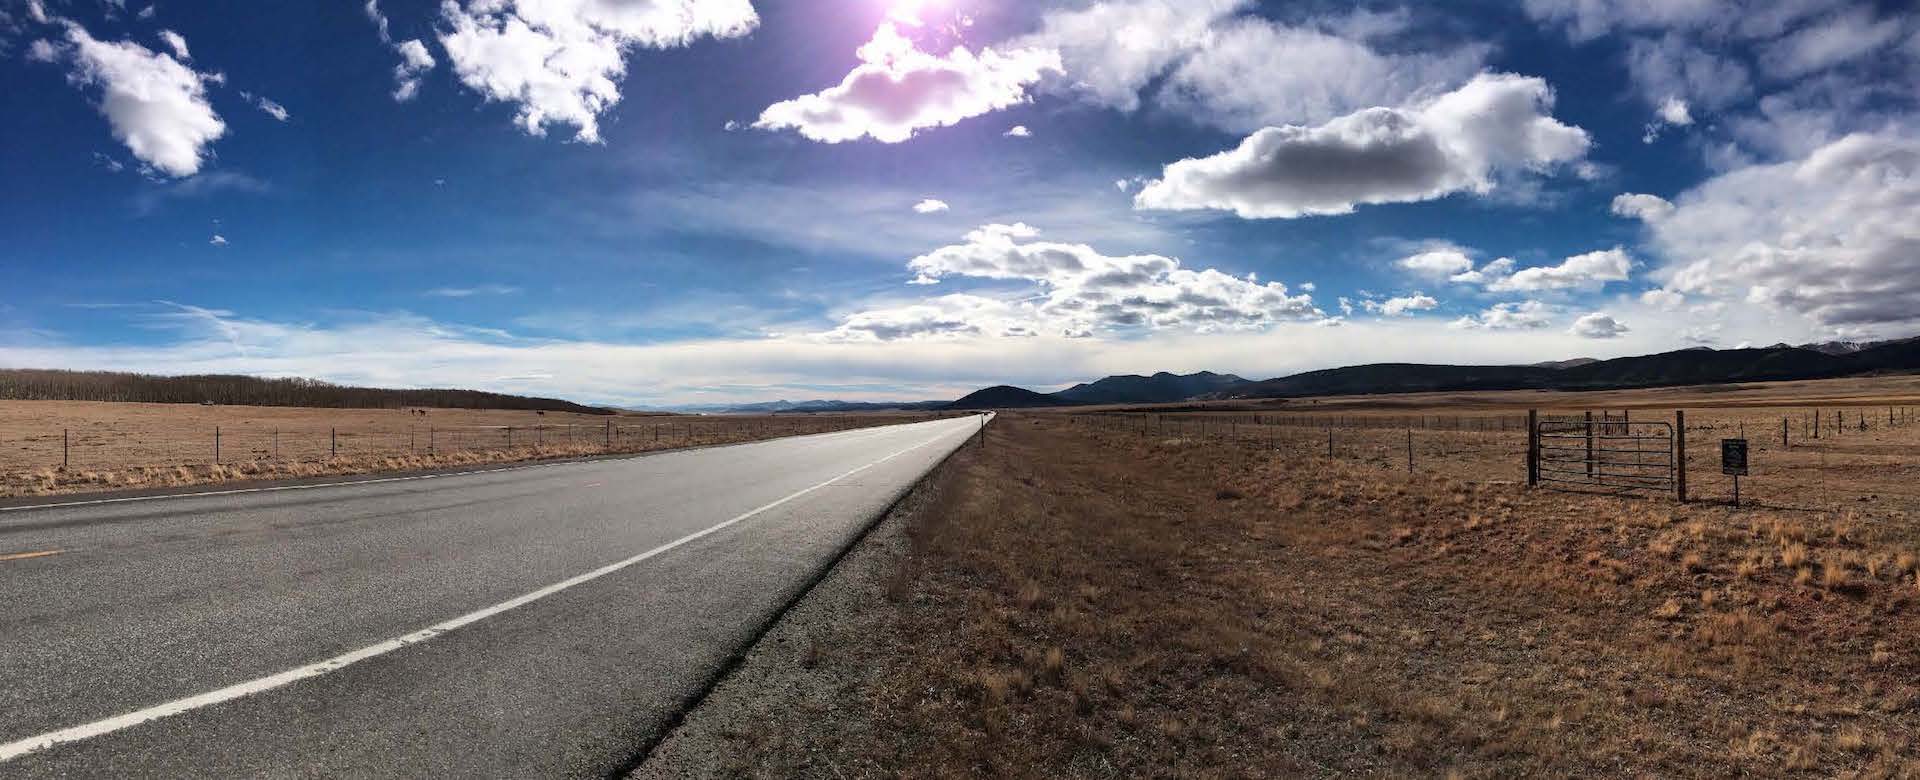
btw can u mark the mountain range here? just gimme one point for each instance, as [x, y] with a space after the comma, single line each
[1699, 365]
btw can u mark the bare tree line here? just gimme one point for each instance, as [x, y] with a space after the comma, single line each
[18, 384]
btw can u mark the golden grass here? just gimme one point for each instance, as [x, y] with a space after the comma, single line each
[1088, 602]
[110, 446]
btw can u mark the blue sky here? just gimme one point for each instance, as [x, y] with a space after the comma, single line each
[659, 202]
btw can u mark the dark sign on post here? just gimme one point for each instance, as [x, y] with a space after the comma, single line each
[1733, 457]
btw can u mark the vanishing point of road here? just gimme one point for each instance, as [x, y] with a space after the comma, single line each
[537, 621]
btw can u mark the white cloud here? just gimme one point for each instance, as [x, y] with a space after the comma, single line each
[415, 60]
[1524, 315]
[176, 43]
[469, 292]
[1018, 131]
[1665, 300]
[1112, 50]
[944, 317]
[560, 61]
[1597, 326]
[1840, 38]
[1403, 305]
[1493, 271]
[1218, 65]
[1252, 73]
[217, 240]
[155, 105]
[1831, 236]
[1675, 111]
[1437, 263]
[268, 106]
[1589, 270]
[1080, 292]
[1462, 141]
[43, 51]
[930, 206]
[898, 90]
[1635, 205]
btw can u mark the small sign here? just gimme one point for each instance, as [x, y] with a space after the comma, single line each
[1733, 457]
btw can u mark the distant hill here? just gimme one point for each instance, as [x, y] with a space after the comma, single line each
[1684, 367]
[810, 407]
[1696, 366]
[1006, 397]
[1574, 363]
[1159, 388]
[26, 384]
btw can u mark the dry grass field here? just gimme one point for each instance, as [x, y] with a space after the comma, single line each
[1079, 599]
[69, 446]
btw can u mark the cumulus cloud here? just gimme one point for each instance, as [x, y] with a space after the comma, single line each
[155, 105]
[1018, 131]
[560, 61]
[1831, 235]
[1078, 292]
[1437, 263]
[930, 206]
[946, 316]
[1214, 62]
[899, 90]
[1523, 315]
[1493, 271]
[1590, 270]
[1597, 326]
[1403, 306]
[1635, 205]
[217, 240]
[1462, 141]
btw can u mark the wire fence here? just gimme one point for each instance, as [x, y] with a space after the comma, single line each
[1822, 458]
[105, 446]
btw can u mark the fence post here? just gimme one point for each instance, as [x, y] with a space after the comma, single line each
[1589, 446]
[432, 449]
[1816, 425]
[1409, 449]
[509, 437]
[609, 444]
[1680, 455]
[216, 445]
[333, 442]
[1533, 448]
[1329, 442]
[276, 444]
[1783, 434]
[66, 449]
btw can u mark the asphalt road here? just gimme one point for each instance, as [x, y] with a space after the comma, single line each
[532, 622]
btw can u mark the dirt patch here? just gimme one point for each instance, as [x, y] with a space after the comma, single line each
[1080, 601]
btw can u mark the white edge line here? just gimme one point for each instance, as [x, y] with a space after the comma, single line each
[18, 748]
[417, 477]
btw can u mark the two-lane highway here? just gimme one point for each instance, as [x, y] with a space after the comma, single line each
[537, 621]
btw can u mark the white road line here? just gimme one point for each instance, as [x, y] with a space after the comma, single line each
[18, 748]
[417, 477]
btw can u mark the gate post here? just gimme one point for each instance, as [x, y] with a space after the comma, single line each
[1533, 448]
[1589, 446]
[1680, 455]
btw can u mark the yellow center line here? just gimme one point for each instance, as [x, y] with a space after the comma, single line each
[26, 555]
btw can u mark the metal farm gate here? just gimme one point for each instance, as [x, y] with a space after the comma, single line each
[1612, 453]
